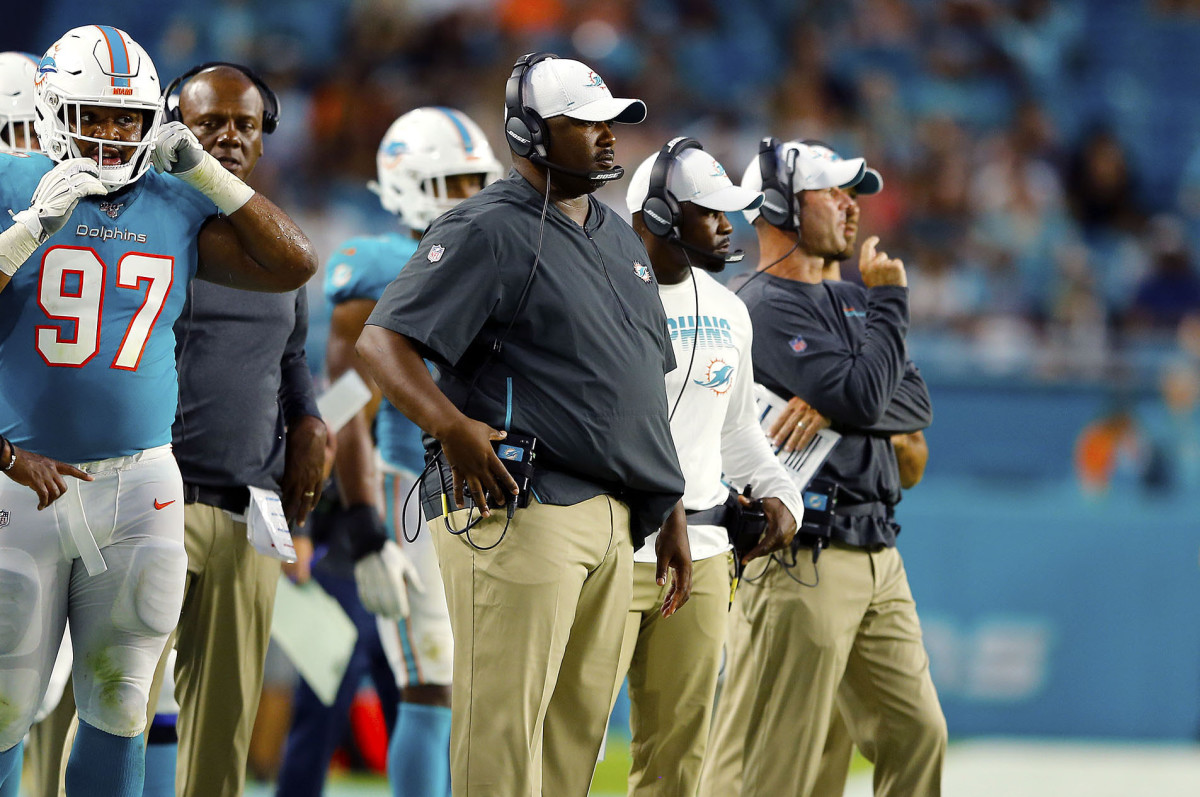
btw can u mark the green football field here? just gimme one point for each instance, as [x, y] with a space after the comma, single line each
[995, 767]
[608, 782]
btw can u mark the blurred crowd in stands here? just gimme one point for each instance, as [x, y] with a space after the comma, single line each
[1042, 159]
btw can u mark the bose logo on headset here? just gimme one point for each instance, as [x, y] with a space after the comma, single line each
[270, 99]
[656, 217]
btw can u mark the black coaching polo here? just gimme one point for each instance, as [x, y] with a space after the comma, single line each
[579, 365]
[841, 348]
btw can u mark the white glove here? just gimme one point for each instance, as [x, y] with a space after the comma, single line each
[381, 580]
[57, 194]
[176, 149]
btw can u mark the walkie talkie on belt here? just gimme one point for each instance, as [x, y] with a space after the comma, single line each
[516, 453]
[746, 524]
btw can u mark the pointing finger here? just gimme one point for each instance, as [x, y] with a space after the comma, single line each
[868, 248]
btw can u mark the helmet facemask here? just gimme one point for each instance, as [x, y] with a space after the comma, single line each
[100, 66]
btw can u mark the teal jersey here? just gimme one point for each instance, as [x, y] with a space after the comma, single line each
[361, 269]
[87, 351]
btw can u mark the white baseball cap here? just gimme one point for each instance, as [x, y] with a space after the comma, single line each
[695, 177]
[872, 180]
[812, 171]
[563, 87]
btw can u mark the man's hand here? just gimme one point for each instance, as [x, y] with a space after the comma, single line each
[176, 149]
[877, 269]
[300, 571]
[304, 467]
[796, 426]
[42, 475]
[381, 580]
[474, 464]
[781, 528]
[675, 554]
[912, 452]
[57, 194]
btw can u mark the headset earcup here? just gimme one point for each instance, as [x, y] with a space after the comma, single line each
[539, 134]
[676, 214]
[520, 139]
[657, 216]
[775, 208]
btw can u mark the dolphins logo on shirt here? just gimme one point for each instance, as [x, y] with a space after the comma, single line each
[718, 378]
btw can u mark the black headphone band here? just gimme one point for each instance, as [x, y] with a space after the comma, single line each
[779, 201]
[524, 128]
[660, 208]
[270, 98]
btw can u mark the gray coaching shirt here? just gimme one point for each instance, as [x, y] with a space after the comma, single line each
[841, 348]
[580, 366]
[242, 376]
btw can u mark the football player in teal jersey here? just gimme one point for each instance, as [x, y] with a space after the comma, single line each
[93, 272]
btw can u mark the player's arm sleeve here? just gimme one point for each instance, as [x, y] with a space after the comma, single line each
[910, 409]
[851, 385]
[446, 292]
[746, 456]
[296, 392]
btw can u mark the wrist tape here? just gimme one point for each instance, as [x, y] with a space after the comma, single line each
[224, 188]
[19, 241]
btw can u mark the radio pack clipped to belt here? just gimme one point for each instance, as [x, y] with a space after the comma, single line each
[746, 523]
[820, 505]
[516, 453]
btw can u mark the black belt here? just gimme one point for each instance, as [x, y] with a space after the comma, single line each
[231, 499]
[867, 509]
[713, 516]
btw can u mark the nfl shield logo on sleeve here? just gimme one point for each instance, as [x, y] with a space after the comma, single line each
[3, 518]
[435, 254]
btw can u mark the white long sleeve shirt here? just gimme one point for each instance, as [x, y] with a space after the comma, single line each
[715, 426]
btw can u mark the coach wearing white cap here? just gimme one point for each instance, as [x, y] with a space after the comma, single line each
[831, 625]
[539, 307]
[679, 198]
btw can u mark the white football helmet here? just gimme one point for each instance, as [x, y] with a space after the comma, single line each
[17, 71]
[97, 65]
[418, 152]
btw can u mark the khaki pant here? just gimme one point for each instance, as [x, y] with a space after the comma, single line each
[722, 769]
[853, 641]
[835, 760]
[221, 642]
[537, 624]
[723, 764]
[672, 663]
